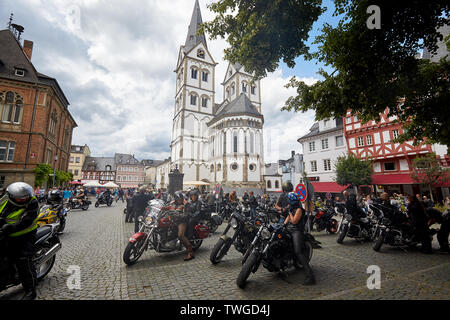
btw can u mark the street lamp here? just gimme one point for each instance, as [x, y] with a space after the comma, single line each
[54, 171]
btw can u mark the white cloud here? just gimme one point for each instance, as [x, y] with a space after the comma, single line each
[120, 78]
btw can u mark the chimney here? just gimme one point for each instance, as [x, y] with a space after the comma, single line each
[28, 48]
[292, 153]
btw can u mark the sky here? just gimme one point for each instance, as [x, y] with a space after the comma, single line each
[114, 60]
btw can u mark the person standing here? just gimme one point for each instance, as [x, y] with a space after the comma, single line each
[253, 205]
[139, 202]
[120, 195]
[416, 212]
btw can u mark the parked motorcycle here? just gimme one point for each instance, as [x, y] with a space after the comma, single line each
[50, 214]
[244, 232]
[159, 231]
[46, 246]
[324, 220]
[74, 204]
[273, 248]
[394, 229]
[104, 198]
[361, 229]
[212, 219]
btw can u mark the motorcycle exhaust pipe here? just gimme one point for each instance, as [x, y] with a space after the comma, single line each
[50, 253]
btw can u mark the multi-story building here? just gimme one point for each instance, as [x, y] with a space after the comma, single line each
[35, 123]
[162, 174]
[292, 168]
[321, 148]
[130, 172]
[101, 169]
[216, 143]
[150, 171]
[392, 162]
[77, 157]
[272, 178]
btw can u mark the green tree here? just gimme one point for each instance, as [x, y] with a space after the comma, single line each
[428, 171]
[352, 170]
[42, 172]
[371, 69]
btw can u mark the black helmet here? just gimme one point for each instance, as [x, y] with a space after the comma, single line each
[178, 196]
[194, 192]
[19, 193]
[54, 196]
[288, 187]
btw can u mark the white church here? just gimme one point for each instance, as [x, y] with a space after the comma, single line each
[215, 143]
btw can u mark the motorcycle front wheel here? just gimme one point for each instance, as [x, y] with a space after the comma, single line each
[133, 252]
[379, 243]
[219, 251]
[97, 204]
[247, 268]
[85, 207]
[333, 226]
[43, 269]
[342, 235]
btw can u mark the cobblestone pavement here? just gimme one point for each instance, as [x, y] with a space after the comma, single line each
[95, 240]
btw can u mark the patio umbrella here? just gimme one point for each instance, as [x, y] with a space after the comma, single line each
[196, 183]
[110, 185]
[92, 184]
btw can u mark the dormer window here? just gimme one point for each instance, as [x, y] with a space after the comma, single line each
[201, 53]
[19, 72]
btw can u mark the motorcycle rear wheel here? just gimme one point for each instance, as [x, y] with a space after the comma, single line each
[133, 252]
[342, 235]
[247, 268]
[85, 207]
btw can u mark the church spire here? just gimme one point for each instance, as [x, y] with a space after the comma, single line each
[192, 38]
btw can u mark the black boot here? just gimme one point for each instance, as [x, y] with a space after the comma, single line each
[30, 294]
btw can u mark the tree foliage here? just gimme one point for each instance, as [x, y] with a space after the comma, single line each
[351, 170]
[44, 173]
[428, 171]
[373, 69]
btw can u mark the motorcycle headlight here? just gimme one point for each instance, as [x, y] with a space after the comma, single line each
[149, 220]
[234, 223]
[348, 217]
[265, 234]
[141, 219]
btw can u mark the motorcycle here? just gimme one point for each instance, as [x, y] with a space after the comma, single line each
[273, 248]
[394, 229]
[324, 220]
[159, 231]
[225, 210]
[244, 232]
[270, 211]
[49, 214]
[74, 204]
[361, 229]
[104, 199]
[46, 246]
[212, 219]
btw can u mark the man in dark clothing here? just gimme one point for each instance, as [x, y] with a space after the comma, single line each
[253, 205]
[416, 213]
[130, 214]
[120, 195]
[436, 216]
[139, 203]
[19, 210]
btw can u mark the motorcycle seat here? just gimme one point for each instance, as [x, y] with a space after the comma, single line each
[43, 231]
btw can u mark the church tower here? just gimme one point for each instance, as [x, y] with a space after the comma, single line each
[194, 103]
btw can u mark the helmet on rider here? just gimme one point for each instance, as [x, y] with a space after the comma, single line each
[293, 198]
[194, 193]
[55, 196]
[288, 187]
[178, 197]
[19, 193]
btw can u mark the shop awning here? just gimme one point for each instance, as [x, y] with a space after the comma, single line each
[331, 187]
[383, 179]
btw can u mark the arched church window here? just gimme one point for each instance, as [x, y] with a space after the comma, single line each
[235, 142]
[253, 89]
[244, 87]
[219, 167]
[193, 99]
[194, 73]
[233, 90]
[212, 168]
[252, 142]
[277, 184]
[269, 184]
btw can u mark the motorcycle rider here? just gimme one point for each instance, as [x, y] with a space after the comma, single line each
[295, 223]
[183, 220]
[139, 202]
[253, 205]
[80, 196]
[19, 209]
[283, 200]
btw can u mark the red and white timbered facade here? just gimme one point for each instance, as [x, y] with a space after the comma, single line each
[392, 162]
